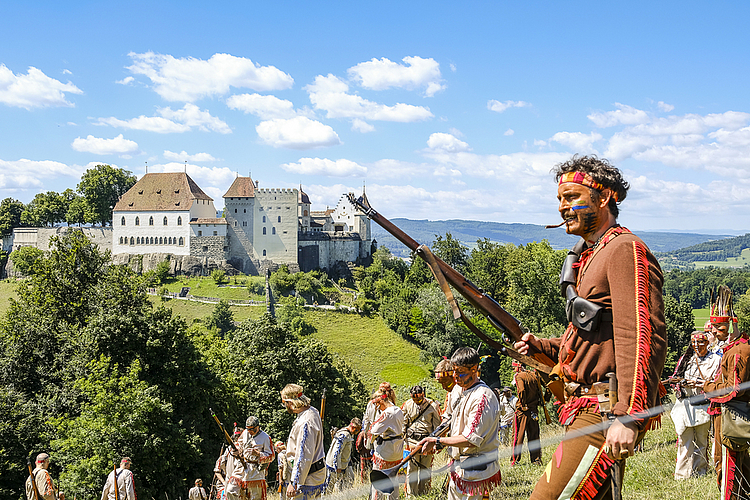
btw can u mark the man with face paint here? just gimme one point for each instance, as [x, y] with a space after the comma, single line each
[258, 453]
[473, 438]
[731, 461]
[616, 325]
[526, 418]
[421, 417]
[692, 421]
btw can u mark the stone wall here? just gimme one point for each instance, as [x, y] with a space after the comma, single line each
[211, 247]
[178, 264]
[40, 237]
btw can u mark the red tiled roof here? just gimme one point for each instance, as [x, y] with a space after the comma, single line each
[242, 187]
[160, 192]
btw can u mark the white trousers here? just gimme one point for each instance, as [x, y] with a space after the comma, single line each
[692, 448]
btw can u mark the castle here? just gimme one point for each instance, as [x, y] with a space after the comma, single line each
[261, 228]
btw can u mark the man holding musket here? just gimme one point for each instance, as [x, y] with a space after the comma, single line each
[421, 417]
[613, 286]
[473, 438]
[258, 452]
[42, 482]
[119, 484]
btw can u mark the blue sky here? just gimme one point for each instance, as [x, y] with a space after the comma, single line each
[446, 110]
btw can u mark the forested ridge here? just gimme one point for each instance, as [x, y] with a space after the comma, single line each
[709, 251]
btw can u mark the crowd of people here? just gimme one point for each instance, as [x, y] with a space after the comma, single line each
[606, 377]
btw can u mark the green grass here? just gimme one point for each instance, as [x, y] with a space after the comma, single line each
[207, 287]
[7, 292]
[701, 316]
[374, 350]
[740, 261]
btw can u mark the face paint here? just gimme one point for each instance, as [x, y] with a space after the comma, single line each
[590, 221]
[582, 207]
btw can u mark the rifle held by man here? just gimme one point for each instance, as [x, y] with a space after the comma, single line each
[33, 479]
[235, 451]
[501, 319]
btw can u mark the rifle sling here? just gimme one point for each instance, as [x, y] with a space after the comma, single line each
[458, 313]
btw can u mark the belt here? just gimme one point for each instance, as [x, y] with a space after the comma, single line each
[380, 440]
[316, 466]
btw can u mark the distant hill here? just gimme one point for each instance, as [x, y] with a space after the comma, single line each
[720, 250]
[468, 232]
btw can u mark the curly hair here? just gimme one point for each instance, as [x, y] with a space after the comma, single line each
[603, 172]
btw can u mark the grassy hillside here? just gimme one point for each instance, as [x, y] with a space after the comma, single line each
[7, 291]
[742, 260]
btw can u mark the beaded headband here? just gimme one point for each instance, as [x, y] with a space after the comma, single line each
[585, 180]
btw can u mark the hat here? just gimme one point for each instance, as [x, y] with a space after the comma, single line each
[252, 421]
[722, 310]
[506, 389]
[41, 457]
[699, 335]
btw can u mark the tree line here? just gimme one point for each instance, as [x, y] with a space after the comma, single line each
[91, 371]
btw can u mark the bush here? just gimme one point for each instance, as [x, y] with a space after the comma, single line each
[25, 259]
[219, 276]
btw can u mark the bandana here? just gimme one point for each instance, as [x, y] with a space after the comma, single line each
[585, 180]
[699, 336]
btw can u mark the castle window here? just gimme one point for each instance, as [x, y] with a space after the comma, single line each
[179, 221]
[161, 241]
[279, 218]
[170, 240]
[235, 223]
[264, 253]
[152, 241]
[182, 242]
[137, 221]
[216, 233]
[200, 233]
[205, 249]
[138, 240]
[264, 230]
[244, 210]
[305, 213]
[273, 230]
[150, 221]
[165, 220]
[120, 240]
[122, 221]
[235, 210]
[264, 219]
[244, 223]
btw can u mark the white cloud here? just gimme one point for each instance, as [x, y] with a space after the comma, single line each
[183, 156]
[329, 94]
[663, 106]
[23, 174]
[33, 90]
[446, 142]
[324, 166]
[362, 126]
[297, 133]
[267, 107]
[578, 141]
[510, 131]
[382, 74]
[99, 146]
[499, 107]
[189, 79]
[623, 115]
[126, 81]
[171, 121]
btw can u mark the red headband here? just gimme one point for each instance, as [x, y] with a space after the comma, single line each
[585, 180]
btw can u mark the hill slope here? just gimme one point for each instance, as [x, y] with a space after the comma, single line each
[468, 232]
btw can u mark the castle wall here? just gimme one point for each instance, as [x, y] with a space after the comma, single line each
[210, 247]
[40, 237]
[177, 228]
[275, 230]
[331, 249]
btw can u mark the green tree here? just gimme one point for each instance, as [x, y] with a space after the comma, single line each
[25, 259]
[451, 251]
[222, 318]
[680, 324]
[78, 211]
[46, 209]
[219, 276]
[10, 215]
[102, 186]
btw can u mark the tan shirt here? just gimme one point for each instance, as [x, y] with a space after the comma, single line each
[44, 485]
[418, 428]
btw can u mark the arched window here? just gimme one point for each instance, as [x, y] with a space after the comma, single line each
[179, 221]
[131, 240]
[305, 213]
[161, 242]
[235, 223]
[138, 240]
[137, 221]
[264, 253]
[273, 230]
[152, 241]
[182, 242]
[122, 221]
[165, 220]
[120, 240]
[264, 219]
[151, 221]
[264, 230]
[279, 218]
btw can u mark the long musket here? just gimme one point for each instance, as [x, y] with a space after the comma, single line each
[228, 438]
[323, 405]
[114, 477]
[33, 479]
[501, 319]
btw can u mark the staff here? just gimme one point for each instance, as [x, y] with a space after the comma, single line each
[235, 451]
[114, 478]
